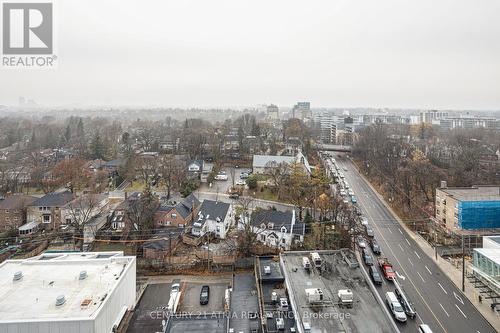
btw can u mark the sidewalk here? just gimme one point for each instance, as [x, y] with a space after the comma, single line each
[451, 271]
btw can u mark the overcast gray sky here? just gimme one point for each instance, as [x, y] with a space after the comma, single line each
[384, 53]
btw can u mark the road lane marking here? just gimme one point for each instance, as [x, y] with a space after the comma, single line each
[458, 298]
[400, 231]
[401, 247]
[428, 270]
[463, 314]
[417, 254]
[400, 276]
[444, 309]
[389, 230]
[390, 248]
[443, 288]
[410, 261]
[406, 239]
[421, 277]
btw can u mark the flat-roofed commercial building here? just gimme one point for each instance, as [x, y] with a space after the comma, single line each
[66, 292]
[469, 208]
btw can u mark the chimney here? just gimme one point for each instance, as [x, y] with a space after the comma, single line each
[443, 184]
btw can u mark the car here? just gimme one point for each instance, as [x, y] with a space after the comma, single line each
[346, 184]
[395, 307]
[364, 221]
[345, 201]
[241, 182]
[361, 242]
[221, 177]
[406, 304]
[353, 199]
[375, 275]
[343, 193]
[367, 258]
[369, 231]
[350, 192]
[345, 169]
[244, 175]
[424, 328]
[358, 211]
[234, 196]
[375, 247]
[204, 295]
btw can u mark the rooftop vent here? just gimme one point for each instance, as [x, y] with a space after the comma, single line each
[83, 275]
[17, 276]
[60, 300]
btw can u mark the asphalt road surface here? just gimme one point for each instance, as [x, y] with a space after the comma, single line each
[437, 301]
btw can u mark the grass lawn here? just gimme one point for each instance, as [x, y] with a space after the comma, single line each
[267, 194]
[136, 186]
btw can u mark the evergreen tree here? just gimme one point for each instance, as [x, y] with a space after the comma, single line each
[97, 147]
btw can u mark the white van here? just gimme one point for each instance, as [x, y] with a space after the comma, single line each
[316, 259]
[306, 263]
[396, 308]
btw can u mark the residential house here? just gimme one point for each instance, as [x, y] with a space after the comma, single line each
[46, 211]
[214, 217]
[119, 215]
[13, 210]
[161, 248]
[82, 209]
[207, 169]
[231, 143]
[194, 169]
[276, 229]
[178, 215]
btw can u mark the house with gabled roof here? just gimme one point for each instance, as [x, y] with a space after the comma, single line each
[178, 215]
[214, 217]
[275, 228]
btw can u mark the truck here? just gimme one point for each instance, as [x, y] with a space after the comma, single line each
[306, 263]
[345, 297]
[406, 304]
[386, 268]
[316, 259]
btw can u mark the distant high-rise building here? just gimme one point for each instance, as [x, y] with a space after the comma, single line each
[431, 116]
[302, 110]
[273, 112]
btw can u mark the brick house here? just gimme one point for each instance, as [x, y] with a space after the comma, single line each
[46, 211]
[178, 215]
[13, 210]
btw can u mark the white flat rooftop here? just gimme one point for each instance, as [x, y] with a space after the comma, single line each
[48, 276]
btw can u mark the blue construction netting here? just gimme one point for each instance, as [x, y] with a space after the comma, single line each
[479, 214]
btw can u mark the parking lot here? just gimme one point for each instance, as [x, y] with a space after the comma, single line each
[190, 298]
[222, 186]
[146, 318]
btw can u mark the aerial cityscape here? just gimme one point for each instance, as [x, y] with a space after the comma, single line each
[250, 167]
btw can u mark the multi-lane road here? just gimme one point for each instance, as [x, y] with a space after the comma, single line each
[438, 302]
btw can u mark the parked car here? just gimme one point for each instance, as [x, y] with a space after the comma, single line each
[240, 182]
[375, 247]
[375, 275]
[353, 199]
[367, 258]
[221, 177]
[361, 242]
[204, 295]
[396, 308]
[369, 231]
[364, 221]
[244, 175]
[234, 196]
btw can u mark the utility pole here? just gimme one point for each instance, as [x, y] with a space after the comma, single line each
[463, 263]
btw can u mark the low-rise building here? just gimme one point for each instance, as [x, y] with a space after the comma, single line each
[46, 211]
[469, 208]
[486, 262]
[13, 210]
[214, 217]
[67, 292]
[178, 215]
[276, 229]
[262, 163]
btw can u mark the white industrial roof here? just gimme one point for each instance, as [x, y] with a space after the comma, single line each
[48, 276]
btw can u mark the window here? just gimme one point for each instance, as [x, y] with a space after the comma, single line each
[6, 211]
[46, 219]
[174, 215]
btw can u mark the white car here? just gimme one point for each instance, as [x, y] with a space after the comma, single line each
[351, 192]
[241, 182]
[364, 221]
[361, 242]
[220, 177]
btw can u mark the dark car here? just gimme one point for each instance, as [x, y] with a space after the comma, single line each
[375, 247]
[375, 275]
[234, 196]
[407, 306]
[204, 295]
[367, 258]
